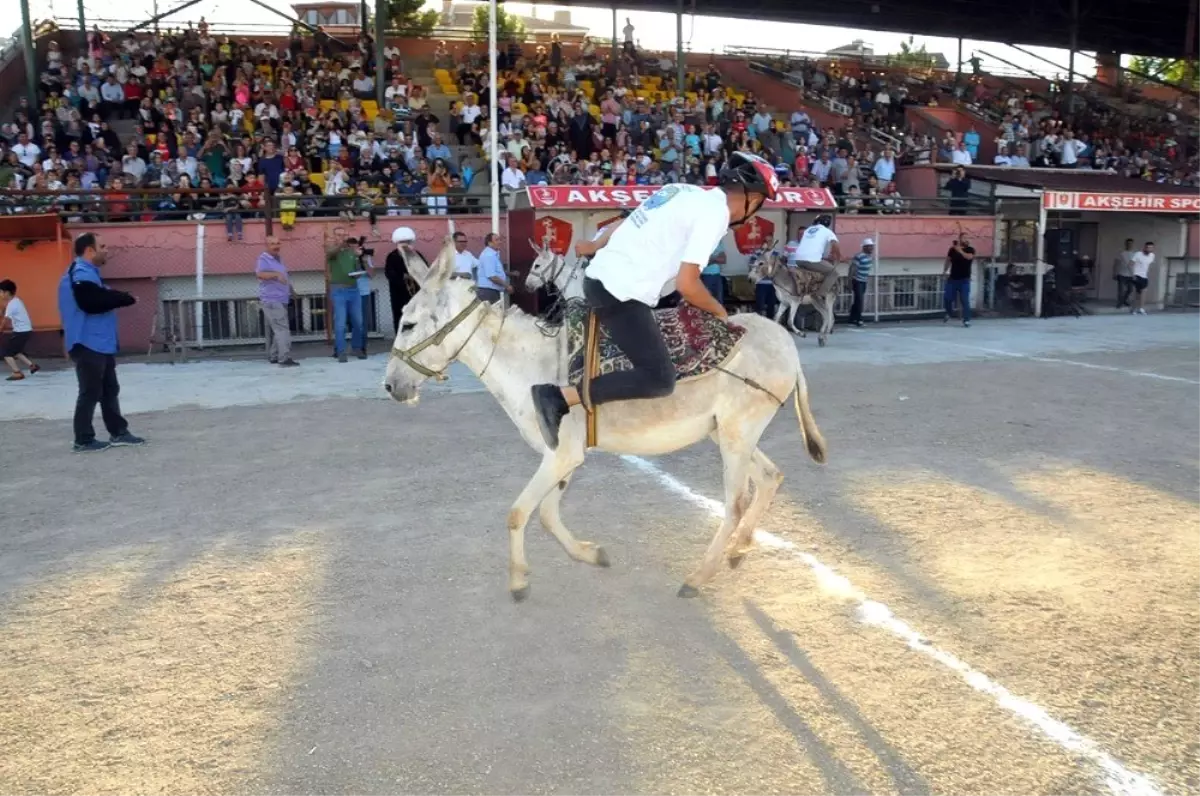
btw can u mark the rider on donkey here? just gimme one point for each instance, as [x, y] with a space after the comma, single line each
[668, 237]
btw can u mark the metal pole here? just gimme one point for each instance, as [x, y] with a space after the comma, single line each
[875, 275]
[680, 71]
[1040, 268]
[614, 40]
[380, 26]
[493, 124]
[1074, 38]
[83, 34]
[958, 71]
[199, 286]
[30, 65]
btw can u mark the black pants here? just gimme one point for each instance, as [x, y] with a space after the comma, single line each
[632, 327]
[97, 375]
[856, 308]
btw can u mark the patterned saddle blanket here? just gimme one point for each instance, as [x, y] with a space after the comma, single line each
[698, 342]
[798, 282]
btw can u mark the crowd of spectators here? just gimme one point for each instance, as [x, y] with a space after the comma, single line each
[569, 114]
[214, 123]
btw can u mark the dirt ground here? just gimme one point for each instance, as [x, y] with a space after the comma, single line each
[299, 589]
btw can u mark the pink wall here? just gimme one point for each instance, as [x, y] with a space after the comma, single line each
[143, 251]
[915, 236]
[917, 181]
[1193, 239]
[135, 325]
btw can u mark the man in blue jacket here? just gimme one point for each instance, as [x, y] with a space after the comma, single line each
[87, 309]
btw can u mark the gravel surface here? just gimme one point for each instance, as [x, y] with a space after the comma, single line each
[303, 590]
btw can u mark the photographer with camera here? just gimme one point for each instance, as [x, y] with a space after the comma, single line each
[366, 270]
[342, 268]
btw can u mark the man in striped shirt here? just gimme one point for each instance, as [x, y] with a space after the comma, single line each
[860, 272]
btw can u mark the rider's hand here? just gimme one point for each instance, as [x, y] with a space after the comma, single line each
[584, 248]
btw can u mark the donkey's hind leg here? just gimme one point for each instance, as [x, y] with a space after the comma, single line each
[767, 478]
[548, 513]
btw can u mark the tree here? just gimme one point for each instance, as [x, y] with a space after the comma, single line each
[508, 26]
[912, 56]
[1180, 71]
[409, 16]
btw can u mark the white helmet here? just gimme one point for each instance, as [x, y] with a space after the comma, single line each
[403, 235]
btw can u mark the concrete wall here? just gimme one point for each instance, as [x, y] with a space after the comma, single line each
[1170, 237]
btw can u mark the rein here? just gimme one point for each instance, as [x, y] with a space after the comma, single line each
[407, 355]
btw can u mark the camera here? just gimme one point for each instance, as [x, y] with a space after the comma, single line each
[361, 243]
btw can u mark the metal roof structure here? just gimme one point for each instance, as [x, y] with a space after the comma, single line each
[1069, 180]
[1138, 27]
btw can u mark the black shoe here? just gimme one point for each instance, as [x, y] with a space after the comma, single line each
[550, 408]
[289, 363]
[273, 361]
[126, 439]
[362, 353]
[91, 447]
[341, 358]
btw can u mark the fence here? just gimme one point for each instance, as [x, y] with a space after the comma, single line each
[1183, 283]
[234, 206]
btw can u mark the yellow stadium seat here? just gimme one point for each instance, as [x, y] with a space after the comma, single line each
[442, 75]
[317, 179]
[326, 105]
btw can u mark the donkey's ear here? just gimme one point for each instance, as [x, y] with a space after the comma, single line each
[443, 266]
[418, 267]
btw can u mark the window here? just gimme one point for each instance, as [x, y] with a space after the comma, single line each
[311, 17]
[1018, 242]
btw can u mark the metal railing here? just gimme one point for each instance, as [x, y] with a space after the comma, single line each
[1183, 282]
[919, 205]
[240, 321]
[147, 205]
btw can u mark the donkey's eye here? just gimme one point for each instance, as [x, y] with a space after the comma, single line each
[407, 327]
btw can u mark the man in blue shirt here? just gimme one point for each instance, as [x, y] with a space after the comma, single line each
[711, 275]
[87, 308]
[860, 272]
[490, 278]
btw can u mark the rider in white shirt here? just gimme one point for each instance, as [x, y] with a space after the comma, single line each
[818, 251]
[668, 238]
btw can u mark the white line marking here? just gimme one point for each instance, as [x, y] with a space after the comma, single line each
[1035, 358]
[1120, 780]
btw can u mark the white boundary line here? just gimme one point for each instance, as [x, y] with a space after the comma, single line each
[1035, 358]
[1119, 780]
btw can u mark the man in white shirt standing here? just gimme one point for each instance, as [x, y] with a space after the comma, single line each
[818, 251]
[669, 237]
[16, 317]
[1140, 263]
[1123, 273]
[465, 263]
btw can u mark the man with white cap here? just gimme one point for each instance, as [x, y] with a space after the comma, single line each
[395, 268]
[860, 272]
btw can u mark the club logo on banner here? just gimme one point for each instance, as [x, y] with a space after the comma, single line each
[750, 236]
[553, 232]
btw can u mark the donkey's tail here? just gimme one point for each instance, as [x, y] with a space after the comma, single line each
[813, 440]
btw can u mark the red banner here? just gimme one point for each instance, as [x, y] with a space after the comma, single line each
[750, 236]
[1122, 202]
[553, 232]
[606, 197]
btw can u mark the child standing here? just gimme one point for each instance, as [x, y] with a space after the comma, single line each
[17, 317]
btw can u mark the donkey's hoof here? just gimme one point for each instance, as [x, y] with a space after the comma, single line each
[687, 591]
[602, 559]
[520, 594]
[736, 559]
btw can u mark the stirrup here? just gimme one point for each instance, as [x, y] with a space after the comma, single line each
[591, 367]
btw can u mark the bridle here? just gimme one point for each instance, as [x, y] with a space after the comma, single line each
[408, 355]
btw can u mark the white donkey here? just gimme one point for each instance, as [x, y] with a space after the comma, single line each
[446, 321]
[796, 287]
[552, 269]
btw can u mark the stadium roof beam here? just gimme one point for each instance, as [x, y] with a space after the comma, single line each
[30, 66]
[301, 23]
[161, 16]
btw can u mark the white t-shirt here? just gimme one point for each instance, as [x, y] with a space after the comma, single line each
[1141, 262]
[814, 243]
[470, 113]
[679, 224]
[465, 262]
[16, 312]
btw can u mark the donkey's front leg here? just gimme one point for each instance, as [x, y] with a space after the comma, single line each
[548, 513]
[555, 466]
[767, 478]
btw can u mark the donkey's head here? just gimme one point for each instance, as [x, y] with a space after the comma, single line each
[434, 327]
[544, 268]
